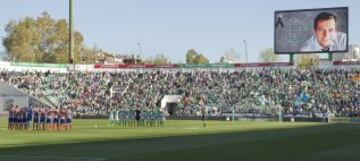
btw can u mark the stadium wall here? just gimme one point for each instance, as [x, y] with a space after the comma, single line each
[64, 68]
[33, 67]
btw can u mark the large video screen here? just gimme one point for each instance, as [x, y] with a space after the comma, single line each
[322, 30]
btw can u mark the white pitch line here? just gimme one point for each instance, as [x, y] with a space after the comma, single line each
[192, 128]
[99, 159]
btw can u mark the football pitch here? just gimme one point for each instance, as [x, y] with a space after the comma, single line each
[96, 140]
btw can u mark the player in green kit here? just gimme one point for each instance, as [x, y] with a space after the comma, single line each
[132, 117]
[147, 120]
[163, 118]
[127, 117]
[122, 117]
[142, 117]
[117, 117]
[158, 117]
[112, 117]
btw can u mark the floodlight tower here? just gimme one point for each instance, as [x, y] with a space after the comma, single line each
[71, 34]
[140, 52]
[246, 52]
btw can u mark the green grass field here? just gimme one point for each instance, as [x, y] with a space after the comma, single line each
[185, 141]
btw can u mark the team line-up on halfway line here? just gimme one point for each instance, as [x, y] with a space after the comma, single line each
[45, 119]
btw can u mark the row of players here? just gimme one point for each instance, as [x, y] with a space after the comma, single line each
[41, 119]
[126, 117]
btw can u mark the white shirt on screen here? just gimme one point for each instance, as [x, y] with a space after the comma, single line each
[313, 45]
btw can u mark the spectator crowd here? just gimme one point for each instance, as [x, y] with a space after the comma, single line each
[263, 91]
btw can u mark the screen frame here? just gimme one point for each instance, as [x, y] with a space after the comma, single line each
[313, 9]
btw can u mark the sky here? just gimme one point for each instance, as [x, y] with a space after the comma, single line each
[172, 27]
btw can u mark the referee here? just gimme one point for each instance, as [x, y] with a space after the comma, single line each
[203, 110]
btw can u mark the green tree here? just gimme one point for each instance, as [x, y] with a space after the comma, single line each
[159, 59]
[193, 57]
[190, 56]
[42, 40]
[201, 59]
[222, 59]
[268, 55]
[88, 55]
[306, 61]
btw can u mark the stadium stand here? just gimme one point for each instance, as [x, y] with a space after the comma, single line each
[252, 93]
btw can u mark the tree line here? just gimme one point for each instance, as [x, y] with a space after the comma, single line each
[45, 40]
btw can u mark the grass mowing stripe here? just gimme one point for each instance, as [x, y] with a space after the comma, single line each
[187, 140]
[33, 157]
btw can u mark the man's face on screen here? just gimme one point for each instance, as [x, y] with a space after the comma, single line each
[326, 32]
